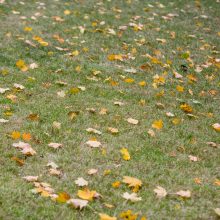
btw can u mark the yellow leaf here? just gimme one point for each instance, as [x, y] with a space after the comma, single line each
[128, 215]
[157, 124]
[28, 29]
[113, 57]
[86, 194]
[125, 154]
[186, 108]
[129, 80]
[15, 135]
[131, 181]
[21, 65]
[116, 184]
[142, 83]
[75, 53]
[67, 12]
[63, 197]
[74, 90]
[106, 217]
[180, 88]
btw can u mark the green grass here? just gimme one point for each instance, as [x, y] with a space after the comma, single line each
[151, 159]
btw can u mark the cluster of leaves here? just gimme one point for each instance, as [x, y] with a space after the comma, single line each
[150, 75]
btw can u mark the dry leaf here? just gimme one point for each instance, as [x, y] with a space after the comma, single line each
[216, 126]
[31, 178]
[106, 217]
[184, 194]
[131, 181]
[81, 182]
[86, 194]
[94, 131]
[93, 144]
[113, 130]
[78, 203]
[193, 158]
[217, 211]
[63, 197]
[92, 171]
[132, 121]
[132, 197]
[160, 191]
[55, 145]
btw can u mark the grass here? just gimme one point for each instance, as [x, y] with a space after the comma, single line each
[151, 159]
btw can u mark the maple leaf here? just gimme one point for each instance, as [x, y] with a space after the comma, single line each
[3, 90]
[193, 158]
[81, 182]
[55, 145]
[77, 203]
[31, 178]
[132, 121]
[94, 144]
[106, 217]
[2, 120]
[184, 194]
[63, 197]
[160, 191]
[132, 197]
[92, 130]
[113, 57]
[113, 130]
[15, 135]
[54, 172]
[217, 211]
[125, 154]
[86, 194]
[131, 181]
[92, 171]
[26, 136]
[20, 162]
[157, 124]
[52, 165]
[186, 108]
[216, 126]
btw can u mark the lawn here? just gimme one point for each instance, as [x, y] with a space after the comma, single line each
[114, 102]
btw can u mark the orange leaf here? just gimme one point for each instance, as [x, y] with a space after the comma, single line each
[26, 136]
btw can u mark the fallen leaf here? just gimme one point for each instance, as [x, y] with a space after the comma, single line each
[193, 158]
[157, 124]
[81, 182]
[217, 211]
[94, 131]
[184, 194]
[86, 194]
[55, 145]
[77, 203]
[106, 217]
[125, 154]
[216, 126]
[31, 178]
[132, 121]
[131, 181]
[160, 191]
[113, 130]
[92, 171]
[94, 144]
[63, 197]
[132, 197]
